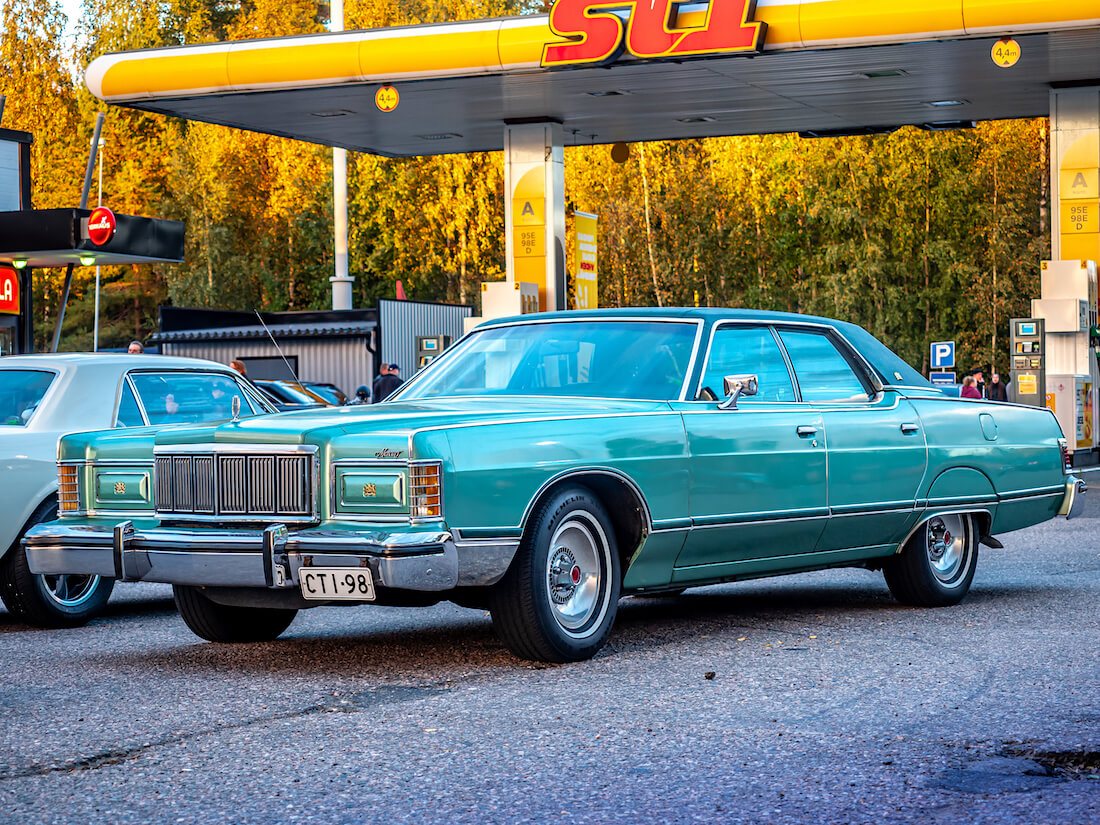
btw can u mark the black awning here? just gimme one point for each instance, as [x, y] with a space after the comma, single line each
[57, 237]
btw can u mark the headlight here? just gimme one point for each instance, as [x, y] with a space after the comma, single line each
[114, 488]
[122, 488]
[392, 492]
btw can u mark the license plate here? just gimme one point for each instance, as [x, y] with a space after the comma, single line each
[328, 583]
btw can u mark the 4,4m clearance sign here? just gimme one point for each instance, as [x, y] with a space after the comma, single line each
[598, 34]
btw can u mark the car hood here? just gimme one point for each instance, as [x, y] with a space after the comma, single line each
[396, 420]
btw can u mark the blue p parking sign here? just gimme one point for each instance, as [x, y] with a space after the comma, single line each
[943, 355]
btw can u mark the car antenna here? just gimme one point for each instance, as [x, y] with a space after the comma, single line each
[278, 349]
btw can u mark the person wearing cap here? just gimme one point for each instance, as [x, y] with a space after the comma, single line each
[362, 395]
[387, 382]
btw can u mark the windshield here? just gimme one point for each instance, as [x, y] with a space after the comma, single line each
[20, 393]
[182, 397]
[596, 359]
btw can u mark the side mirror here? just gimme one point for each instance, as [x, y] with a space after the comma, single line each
[735, 386]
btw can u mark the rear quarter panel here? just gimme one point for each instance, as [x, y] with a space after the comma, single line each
[1016, 475]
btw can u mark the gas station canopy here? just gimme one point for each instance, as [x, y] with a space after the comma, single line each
[822, 67]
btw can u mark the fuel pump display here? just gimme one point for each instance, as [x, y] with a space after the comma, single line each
[1029, 375]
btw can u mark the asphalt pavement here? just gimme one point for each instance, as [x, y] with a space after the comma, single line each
[804, 699]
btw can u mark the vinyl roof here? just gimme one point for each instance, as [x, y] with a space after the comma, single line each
[826, 66]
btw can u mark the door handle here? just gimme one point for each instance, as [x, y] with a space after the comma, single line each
[806, 431]
[909, 429]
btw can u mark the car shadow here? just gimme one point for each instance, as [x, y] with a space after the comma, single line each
[461, 645]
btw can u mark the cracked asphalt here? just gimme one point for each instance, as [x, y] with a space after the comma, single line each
[829, 703]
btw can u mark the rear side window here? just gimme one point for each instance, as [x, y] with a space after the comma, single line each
[129, 415]
[181, 397]
[738, 350]
[822, 372]
[21, 392]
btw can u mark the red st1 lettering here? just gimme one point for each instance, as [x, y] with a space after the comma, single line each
[596, 34]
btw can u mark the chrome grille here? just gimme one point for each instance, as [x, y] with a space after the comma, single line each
[236, 485]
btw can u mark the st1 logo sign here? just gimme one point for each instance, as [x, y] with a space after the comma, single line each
[597, 35]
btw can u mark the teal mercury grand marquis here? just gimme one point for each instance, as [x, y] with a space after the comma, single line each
[547, 465]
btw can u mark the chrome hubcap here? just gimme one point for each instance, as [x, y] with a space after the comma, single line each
[575, 575]
[946, 540]
[69, 591]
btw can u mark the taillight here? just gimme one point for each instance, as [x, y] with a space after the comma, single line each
[68, 488]
[1067, 456]
[426, 490]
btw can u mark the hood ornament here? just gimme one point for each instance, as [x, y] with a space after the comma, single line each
[235, 407]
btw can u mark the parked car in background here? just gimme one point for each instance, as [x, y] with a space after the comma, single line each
[330, 392]
[45, 396]
[548, 464]
[291, 395]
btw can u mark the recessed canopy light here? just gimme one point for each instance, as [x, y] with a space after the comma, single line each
[880, 73]
[947, 125]
[943, 104]
[440, 136]
[87, 260]
[333, 113]
[19, 263]
[699, 119]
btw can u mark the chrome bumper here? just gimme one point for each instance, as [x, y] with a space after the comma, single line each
[242, 558]
[1074, 500]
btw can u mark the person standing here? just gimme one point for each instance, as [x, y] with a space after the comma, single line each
[969, 388]
[239, 366]
[135, 348]
[383, 371]
[979, 381]
[387, 382]
[362, 396]
[996, 391]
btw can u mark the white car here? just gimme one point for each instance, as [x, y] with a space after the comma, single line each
[42, 397]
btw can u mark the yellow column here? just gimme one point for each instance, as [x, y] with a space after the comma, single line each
[534, 209]
[1075, 173]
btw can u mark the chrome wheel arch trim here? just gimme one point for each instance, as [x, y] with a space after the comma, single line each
[923, 521]
[647, 518]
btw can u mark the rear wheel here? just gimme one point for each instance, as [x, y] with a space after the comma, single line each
[49, 601]
[936, 566]
[558, 600]
[224, 623]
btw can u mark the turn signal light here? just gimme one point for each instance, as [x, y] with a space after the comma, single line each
[426, 490]
[68, 488]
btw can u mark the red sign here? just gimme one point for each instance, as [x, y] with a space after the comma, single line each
[9, 290]
[101, 225]
[597, 34]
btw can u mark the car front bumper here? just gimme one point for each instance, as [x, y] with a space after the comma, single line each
[268, 558]
[1074, 500]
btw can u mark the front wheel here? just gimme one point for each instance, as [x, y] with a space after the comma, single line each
[936, 566]
[225, 623]
[49, 601]
[558, 600]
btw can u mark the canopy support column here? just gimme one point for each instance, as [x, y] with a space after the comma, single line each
[534, 209]
[1075, 173]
